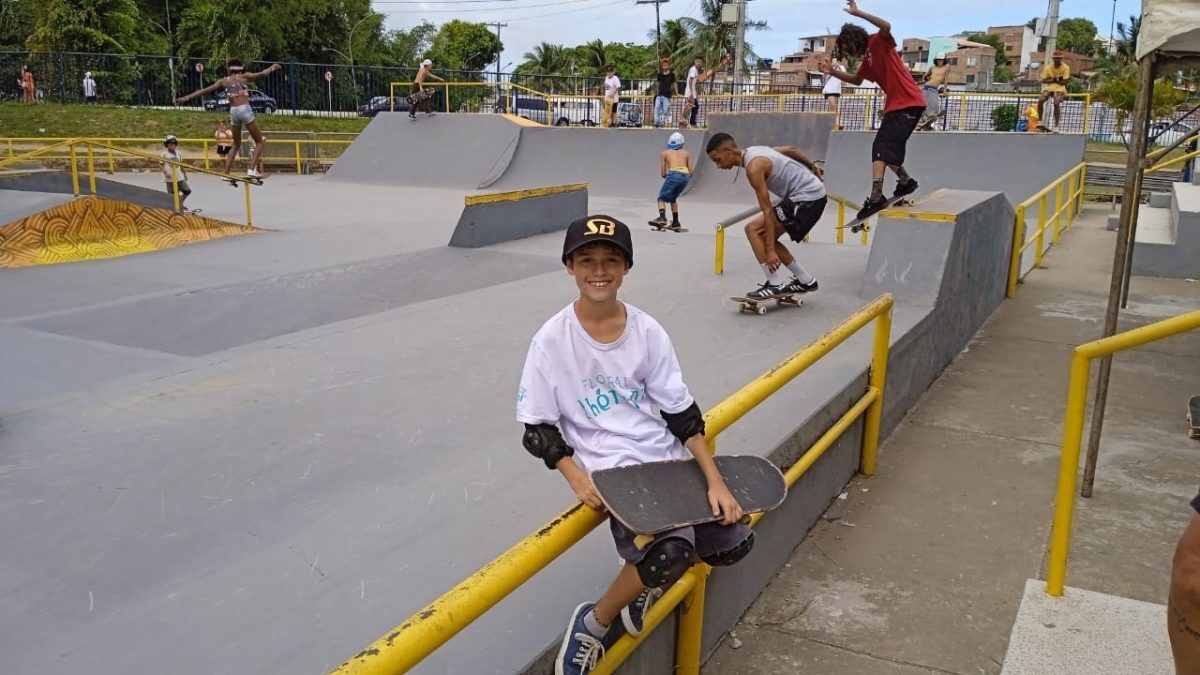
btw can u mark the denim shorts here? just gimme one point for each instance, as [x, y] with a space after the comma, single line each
[708, 538]
[673, 186]
[241, 114]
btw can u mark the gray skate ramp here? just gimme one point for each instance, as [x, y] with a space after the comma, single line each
[60, 182]
[496, 218]
[17, 204]
[448, 150]
[1019, 165]
[613, 162]
[807, 131]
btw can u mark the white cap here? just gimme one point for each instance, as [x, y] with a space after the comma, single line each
[427, 62]
[940, 55]
[675, 141]
[88, 74]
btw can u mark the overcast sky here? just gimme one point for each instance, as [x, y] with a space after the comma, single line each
[572, 22]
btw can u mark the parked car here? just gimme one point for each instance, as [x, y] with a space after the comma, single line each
[382, 104]
[259, 102]
[559, 111]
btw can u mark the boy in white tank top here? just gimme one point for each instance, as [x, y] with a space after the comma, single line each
[790, 175]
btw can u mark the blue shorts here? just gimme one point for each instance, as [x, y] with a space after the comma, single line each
[673, 186]
[241, 114]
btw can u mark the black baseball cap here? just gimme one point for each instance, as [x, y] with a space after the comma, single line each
[598, 228]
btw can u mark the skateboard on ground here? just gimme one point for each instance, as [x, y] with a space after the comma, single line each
[256, 180]
[658, 496]
[1194, 417]
[759, 306]
[660, 227]
[859, 224]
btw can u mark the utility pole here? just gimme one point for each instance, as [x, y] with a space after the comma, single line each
[171, 59]
[1051, 31]
[498, 26]
[739, 47]
[657, 23]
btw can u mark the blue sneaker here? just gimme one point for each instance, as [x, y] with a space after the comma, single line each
[633, 616]
[580, 649]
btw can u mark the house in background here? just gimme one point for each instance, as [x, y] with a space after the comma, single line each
[1019, 44]
[971, 63]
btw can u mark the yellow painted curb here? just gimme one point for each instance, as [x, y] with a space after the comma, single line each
[474, 200]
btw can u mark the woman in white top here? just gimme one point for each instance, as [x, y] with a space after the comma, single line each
[832, 89]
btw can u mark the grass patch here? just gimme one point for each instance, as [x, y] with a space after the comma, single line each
[105, 121]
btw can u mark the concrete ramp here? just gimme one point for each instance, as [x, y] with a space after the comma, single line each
[448, 150]
[90, 228]
[1168, 240]
[495, 218]
[807, 131]
[613, 162]
[952, 257]
[60, 182]
[1019, 165]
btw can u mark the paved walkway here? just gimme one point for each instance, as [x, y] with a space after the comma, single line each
[922, 568]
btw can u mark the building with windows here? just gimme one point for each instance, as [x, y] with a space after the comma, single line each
[800, 69]
[971, 63]
[1019, 44]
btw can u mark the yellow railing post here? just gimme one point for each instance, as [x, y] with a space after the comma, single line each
[297, 158]
[1087, 112]
[1071, 198]
[91, 160]
[962, 112]
[74, 171]
[175, 187]
[1082, 186]
[863, 234]
[719, 262]
[112, 163]
[878, 380]
[1018, 250]
[248, 217]
[1041, 232]
[1058, 209]
[841, 221]
[11, 154]
[207, 166]
[689, 644]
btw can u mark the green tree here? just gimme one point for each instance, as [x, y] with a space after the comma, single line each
[994, 42]
[711, 38]
[463, 45]
[16, 23]
[403, 47]
[632, 61]
[222, 30]
[84, 26]
[1077, 35]
[1003, 74]
[1119, 91]
[1128, 32]
[676, 44]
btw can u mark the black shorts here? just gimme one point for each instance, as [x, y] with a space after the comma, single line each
[223, 150]
[798, 219]
[891, 140]
[833, 95]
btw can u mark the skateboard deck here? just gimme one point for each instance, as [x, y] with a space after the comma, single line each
[859, 224]
[928, 121]
[658, 496]
[247, 179]
[660, 228]
[1194, 417]
[757, 306]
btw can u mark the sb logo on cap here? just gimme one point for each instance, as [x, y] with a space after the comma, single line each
[601, 226]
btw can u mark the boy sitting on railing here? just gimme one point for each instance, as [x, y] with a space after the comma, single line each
[602, 388]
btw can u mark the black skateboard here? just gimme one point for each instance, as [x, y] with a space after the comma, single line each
[759, 305]
[658, 496]
[928, 121]
[1194, 417]
[256, 180]
[859, 224]
[659, 228]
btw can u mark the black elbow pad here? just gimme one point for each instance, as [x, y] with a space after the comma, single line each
[685, 424]
[546, 443]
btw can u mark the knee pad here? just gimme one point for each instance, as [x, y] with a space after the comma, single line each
[665, 562]
[733, 555]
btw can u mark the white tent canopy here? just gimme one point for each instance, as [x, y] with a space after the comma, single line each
[1169, 26]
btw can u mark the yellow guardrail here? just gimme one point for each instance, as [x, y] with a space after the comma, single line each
[420, 635]
[1068, 200]
[1068, 467]
[90, 144]
[207, 158]
[719, 254]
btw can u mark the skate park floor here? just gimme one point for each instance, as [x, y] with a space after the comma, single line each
[258, 455]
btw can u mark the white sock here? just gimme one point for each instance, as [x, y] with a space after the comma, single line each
[772, 277]
[593, 625]
[801, 275]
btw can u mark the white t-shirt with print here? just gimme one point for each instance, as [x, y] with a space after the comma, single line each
[166, 168]
[692, 79]
[605, 398]
[612, 87]
[832, 84]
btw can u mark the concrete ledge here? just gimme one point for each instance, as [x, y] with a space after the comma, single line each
[1171, 249]
[505, 216]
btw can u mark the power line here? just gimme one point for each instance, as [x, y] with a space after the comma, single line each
[571, 11]
[487, 9]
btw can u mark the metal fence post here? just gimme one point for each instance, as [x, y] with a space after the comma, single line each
[1058, 209]
[62, 79]
[873, 419]
[719, 263]
[689, 643]
[1041, 231]
[1014, 269]
[292, 82]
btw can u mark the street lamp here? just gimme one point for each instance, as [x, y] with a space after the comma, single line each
[350, 43]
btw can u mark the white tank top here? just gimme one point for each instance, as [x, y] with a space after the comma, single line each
[788, 178]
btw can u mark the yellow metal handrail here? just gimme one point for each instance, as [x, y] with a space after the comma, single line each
[1068, 467]
[1068, 200]
[425, 631]
[719, 253]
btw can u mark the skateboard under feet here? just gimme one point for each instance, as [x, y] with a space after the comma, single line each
[659, 227]
[659, 496]
[859, 224]
[256, 180]
[759, 305]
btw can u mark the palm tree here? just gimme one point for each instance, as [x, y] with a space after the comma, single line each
[676, 43]
[711, 38]
[594, 56]
[219, 31]
[548, 62]
[1127, 45]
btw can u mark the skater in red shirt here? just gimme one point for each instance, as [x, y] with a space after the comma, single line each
[905, 102]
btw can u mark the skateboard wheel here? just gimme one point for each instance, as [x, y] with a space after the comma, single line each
[762, 310]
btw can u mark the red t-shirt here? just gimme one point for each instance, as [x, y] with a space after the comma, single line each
[883, 66]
